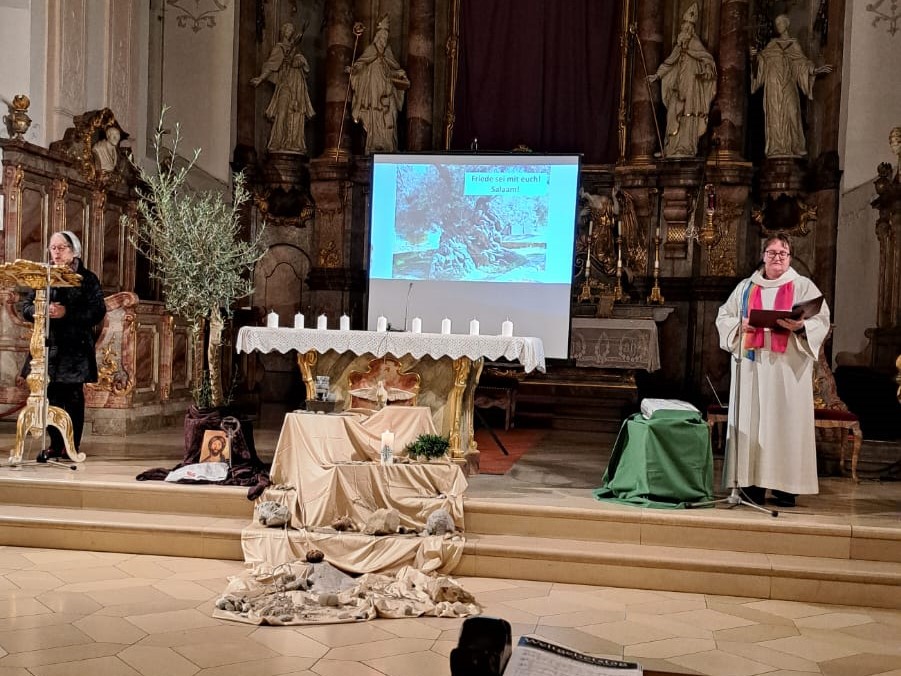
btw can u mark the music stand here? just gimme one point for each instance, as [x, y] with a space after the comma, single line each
[736, 495]
[38, 413]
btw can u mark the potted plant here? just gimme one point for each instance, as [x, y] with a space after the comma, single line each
[194, 243]
[428, 447]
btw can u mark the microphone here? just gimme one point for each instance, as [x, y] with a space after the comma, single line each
[407, 304]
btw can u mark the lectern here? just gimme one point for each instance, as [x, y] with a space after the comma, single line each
[38, 413]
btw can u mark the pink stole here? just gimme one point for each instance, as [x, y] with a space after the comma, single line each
[778, 339]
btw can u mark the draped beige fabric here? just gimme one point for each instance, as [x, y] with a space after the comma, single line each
[354, 552]
[324, 468]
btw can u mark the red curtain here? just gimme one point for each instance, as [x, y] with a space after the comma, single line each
[543, 73]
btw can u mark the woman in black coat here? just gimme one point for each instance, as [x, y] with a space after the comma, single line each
[70, 359]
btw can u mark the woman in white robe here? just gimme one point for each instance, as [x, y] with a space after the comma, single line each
[773, 419]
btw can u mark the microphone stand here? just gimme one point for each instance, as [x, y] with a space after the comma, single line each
[45, 404]
[737, 496]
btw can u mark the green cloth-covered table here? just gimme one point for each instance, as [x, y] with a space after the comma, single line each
[664, 461]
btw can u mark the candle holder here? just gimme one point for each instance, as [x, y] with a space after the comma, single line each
[656, 297]
[709, 235]
[618, 295]
[585, 295]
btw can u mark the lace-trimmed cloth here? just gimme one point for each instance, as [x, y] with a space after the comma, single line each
[527, 351]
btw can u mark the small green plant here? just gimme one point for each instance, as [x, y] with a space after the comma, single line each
[428, 446]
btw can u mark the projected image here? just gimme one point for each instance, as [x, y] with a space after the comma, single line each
[471, 223]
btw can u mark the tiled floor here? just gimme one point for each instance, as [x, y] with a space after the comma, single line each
[73, 612]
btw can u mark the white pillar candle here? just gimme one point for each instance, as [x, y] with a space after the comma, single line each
[298, 320]
[474, 327]
[344, 323]
[272, 319]
[416, 325]
[381, 324]
[386, 452]
[445, 326]
[507, 329]
[322, 322]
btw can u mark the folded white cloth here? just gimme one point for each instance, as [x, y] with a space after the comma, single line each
[650, 406]
[201, 471]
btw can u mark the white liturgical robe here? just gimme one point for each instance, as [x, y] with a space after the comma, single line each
[771, 414]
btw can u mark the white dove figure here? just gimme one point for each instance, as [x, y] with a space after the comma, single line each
[381, 395]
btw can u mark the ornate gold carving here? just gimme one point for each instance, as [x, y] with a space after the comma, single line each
[18, 121]
[462, 366]
[306, 362]
[111, 375]
[304, 215]
[806, 216]
[632, 242]
[451, 50]
[329, 256]
[721, 256]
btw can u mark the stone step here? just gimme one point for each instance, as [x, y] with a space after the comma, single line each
[767, 576]
[140, 497]
[111, 530]
[731, 552]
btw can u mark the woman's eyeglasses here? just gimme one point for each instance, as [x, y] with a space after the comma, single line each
[773, 255]
[59, 247]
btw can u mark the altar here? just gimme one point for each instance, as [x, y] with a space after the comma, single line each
[615, 343]
[449, 366]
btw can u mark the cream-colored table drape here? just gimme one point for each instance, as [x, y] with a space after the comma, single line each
[328, 460]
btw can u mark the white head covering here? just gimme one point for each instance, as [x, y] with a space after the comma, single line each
[74, 241]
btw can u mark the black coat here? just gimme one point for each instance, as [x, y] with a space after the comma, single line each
[70, 356]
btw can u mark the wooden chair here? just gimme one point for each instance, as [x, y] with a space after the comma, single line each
[497, 389]
[830, 414]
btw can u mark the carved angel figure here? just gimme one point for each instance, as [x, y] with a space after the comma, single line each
[382, 395]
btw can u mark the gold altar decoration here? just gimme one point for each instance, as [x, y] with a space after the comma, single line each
[805, 216]
[37, 412]
[18, 121]
[656, 297]
[709, 235]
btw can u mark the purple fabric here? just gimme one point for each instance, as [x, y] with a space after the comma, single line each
[246, 468]
[543, 73]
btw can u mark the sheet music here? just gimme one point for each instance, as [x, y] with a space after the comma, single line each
[536, 657]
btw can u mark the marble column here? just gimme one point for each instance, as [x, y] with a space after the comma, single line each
[339, 38]
[732, 85]
[643, 139]
[421, 71]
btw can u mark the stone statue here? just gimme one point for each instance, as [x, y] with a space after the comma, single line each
[781, 68]
[378, 84]
[106, 150]
[290, 106]
[687, 85]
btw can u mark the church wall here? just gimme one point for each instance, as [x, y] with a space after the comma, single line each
[857, 271]
[196, 68]
[23, 36]
[871, 104]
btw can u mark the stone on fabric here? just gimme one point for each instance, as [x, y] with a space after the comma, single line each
[382, 522]
[273, 514]
[439, 522]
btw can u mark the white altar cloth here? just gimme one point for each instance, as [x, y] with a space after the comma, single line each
[526, 350]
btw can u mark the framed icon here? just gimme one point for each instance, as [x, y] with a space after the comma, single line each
[215, 447]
